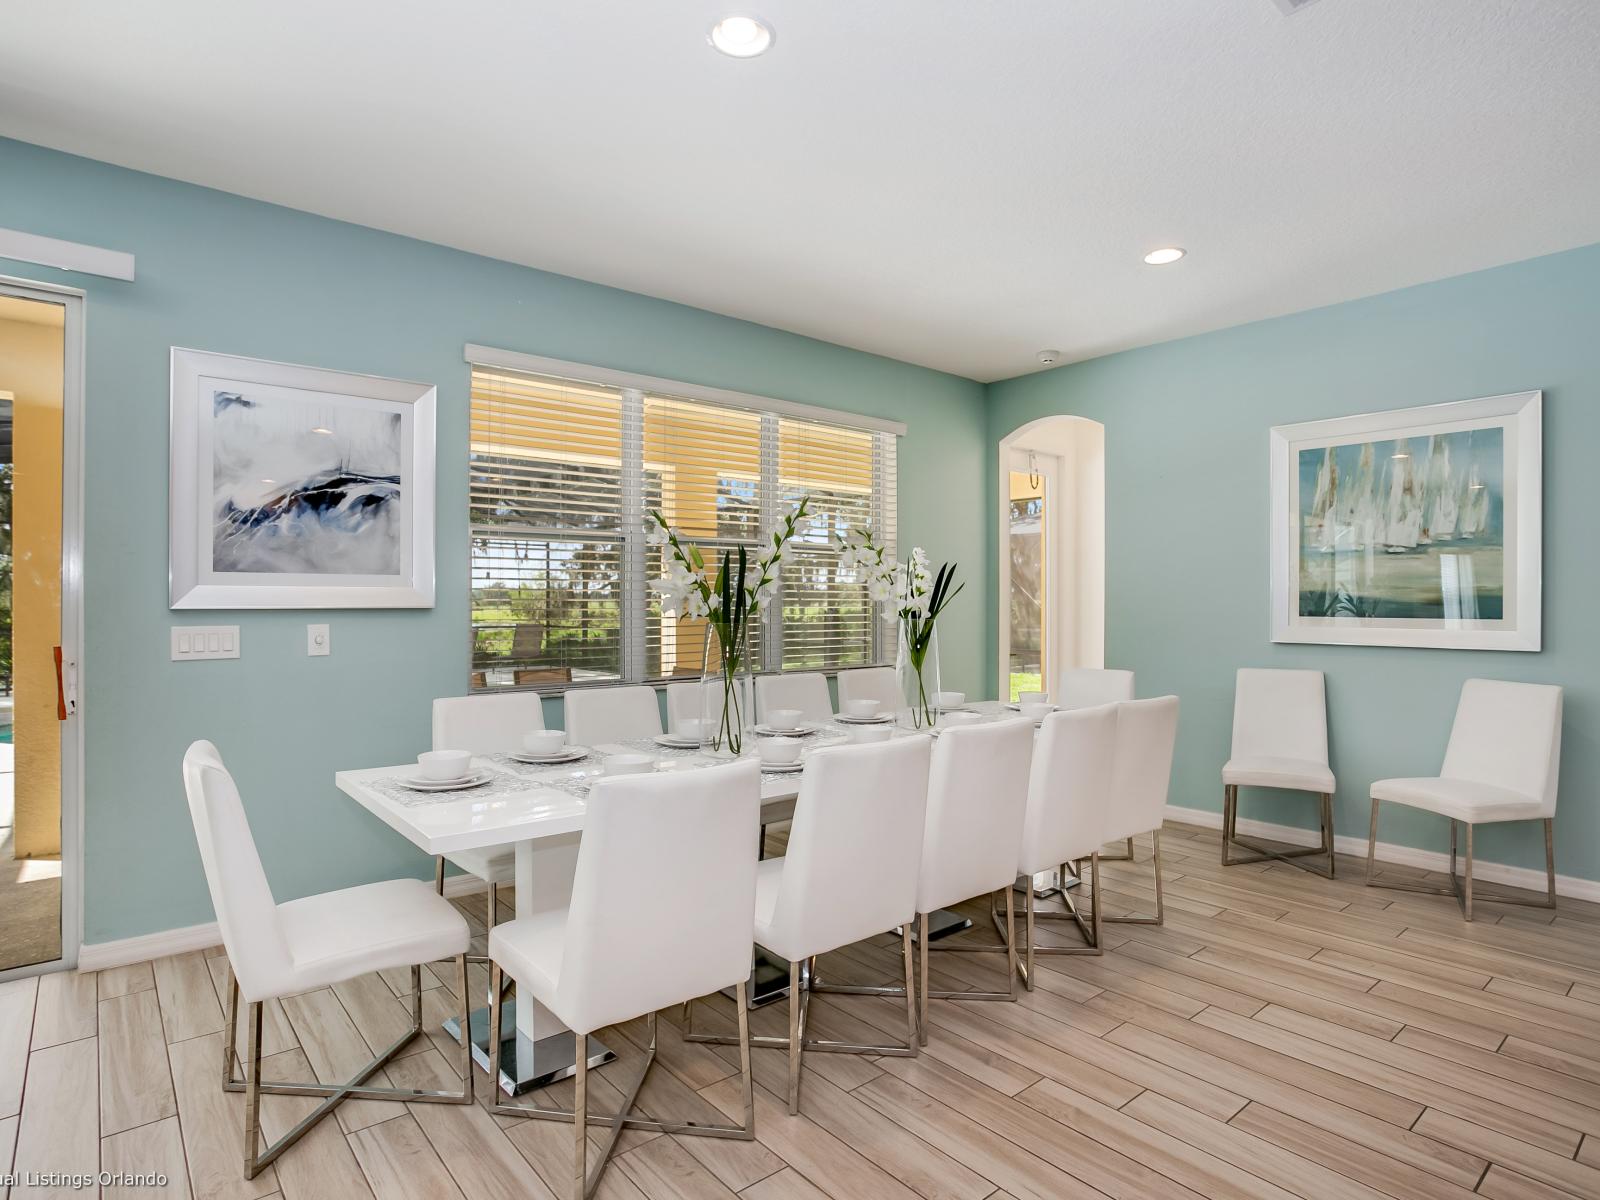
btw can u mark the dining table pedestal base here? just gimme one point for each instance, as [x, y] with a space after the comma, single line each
[551, 1057]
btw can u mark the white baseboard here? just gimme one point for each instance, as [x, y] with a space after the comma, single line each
[97, 956]
[1406, 856]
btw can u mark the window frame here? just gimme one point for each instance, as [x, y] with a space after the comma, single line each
[634, 586]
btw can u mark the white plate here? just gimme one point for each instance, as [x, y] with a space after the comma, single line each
[783, 768]
[673, 742]
[773, 731]
[572, 754]
[880, 719]
[1018, 707]
[476, 779]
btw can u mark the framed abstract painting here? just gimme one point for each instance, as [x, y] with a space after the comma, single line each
[296, 487]
[1419, 527]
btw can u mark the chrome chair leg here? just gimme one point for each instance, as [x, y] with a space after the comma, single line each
[1461, 886]
[1088, 929]
[1007, 946]
[585, 1178]
[256, 1159]
[1231, 840]
[1161, 902]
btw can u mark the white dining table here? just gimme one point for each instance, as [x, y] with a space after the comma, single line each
[540, 811]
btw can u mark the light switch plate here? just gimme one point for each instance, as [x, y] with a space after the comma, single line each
[318, 640]
[192, 643]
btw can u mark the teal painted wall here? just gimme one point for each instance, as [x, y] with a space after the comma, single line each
[1186, 526]
[220, 273]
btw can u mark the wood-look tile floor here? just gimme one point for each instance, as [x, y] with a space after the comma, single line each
[1281, 1036]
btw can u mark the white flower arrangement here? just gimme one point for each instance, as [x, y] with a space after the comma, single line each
[728, 603]
[918, 597]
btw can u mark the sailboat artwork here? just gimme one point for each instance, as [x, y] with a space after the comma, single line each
[1408, 528]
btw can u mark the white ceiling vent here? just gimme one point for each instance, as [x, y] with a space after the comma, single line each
[1290, 7]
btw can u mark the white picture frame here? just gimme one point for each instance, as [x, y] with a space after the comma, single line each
[358, 486]
[1354, 560]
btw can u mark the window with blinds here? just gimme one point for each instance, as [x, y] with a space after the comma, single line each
[563, 473]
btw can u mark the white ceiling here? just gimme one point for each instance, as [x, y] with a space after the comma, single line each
[952, 182]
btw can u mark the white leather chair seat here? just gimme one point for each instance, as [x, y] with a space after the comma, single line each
[1301, 774]
[1461, 799]
[487, 865]
[396, 923]
[530, 950]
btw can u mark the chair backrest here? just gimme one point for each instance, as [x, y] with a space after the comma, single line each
[486, 724]
[1069, 789]
[247, 915]
[1141, 771]
[1090, 687]
[613, 714]
[805, 690]
[687, 841]
[977, 794]
[1508, 735]
[855, 848]
[1280, 714]
[871, 683]
[684, 699]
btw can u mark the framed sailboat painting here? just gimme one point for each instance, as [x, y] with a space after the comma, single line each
[1419, 527]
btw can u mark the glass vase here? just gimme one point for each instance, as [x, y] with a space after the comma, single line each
[727, 693]
[918, 677]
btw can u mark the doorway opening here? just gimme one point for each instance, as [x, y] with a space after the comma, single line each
[1052, 553]
[38, 642]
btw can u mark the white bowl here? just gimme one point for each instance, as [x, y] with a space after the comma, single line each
[1033, 697]
[871, 733]
[949, 699]
[629, 764]
[784, 718]
[544, 741]
[691, 728]
[862, 708]
[444, 764]
[778, 752]
[1036, 712]
[950, 720]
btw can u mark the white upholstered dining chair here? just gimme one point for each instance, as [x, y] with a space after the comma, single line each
[685, 841]
[849, 873]
[1141, 777]
[1090, 687]
[485, 725]
[1503, 763]
[277, 950]
[1069, 787]
[806, 691]
[870, 683]
[1280, 740]
[594, 716]
[977, 796]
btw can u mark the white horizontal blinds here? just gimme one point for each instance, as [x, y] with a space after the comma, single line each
[703, 472]
[563, 476]
[547, 558]
[828, 620]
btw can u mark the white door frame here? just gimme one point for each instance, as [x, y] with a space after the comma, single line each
[1051, 468]
[72, 509]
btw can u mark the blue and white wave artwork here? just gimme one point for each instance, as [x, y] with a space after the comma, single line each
[303, 486]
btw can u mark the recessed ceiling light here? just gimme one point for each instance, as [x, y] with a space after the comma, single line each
[1165, 255]
[741, 37]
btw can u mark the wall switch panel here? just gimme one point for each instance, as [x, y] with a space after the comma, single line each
[318, 640]
[192, 643]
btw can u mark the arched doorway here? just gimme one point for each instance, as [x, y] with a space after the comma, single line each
[1051, 608]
